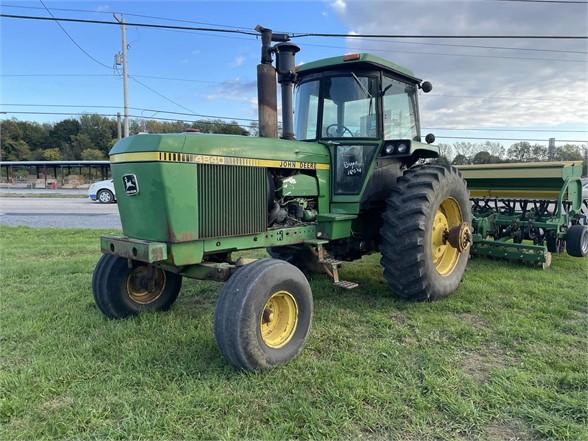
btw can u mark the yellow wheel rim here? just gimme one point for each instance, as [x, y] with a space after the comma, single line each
[444, 256]
[278, 319]
[145, 285]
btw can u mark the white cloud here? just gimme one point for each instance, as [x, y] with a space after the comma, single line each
[238, 61]
[340, 6]
[196, 52]
[539, 93]
[103, 8]
[236, 90]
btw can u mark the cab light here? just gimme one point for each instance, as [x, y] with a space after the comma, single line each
[351, 57]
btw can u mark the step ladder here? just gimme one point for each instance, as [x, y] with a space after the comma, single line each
[331, 267]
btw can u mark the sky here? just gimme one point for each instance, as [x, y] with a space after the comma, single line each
[497, 90]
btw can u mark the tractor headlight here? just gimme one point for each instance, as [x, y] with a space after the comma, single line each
[396, 147]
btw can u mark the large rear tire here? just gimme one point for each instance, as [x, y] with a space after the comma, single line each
[263, 315]
[419, 263]
[120, 291]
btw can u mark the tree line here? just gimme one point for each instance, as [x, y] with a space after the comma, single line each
[90, 136]
[464, 153]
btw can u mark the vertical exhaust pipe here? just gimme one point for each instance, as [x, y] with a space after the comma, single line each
[267, 101]
[286, 67]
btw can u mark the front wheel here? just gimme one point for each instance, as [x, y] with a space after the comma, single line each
[120, 291]
[263, 315]
[425, 235]
[105, 197]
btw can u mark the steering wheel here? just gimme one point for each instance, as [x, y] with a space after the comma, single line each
[340, 132]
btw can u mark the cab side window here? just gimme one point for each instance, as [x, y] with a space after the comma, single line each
[399, 103]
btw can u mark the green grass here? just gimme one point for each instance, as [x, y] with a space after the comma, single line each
[504, 358]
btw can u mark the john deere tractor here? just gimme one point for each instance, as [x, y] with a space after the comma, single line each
[346, 179]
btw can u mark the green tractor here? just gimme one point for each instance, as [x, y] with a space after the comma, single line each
[347, 179]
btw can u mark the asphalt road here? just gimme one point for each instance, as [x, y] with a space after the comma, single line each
[58, 213]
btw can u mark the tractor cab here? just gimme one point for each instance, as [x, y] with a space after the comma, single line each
[356, 96]
[365, 109]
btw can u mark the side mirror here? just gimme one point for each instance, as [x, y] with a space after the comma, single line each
[426, 86]
[430, 138]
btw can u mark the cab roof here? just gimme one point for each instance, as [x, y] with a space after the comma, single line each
[358, 59]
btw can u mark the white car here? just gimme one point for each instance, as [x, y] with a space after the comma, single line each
[102, 191]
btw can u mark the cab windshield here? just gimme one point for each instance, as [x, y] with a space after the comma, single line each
[350, 108]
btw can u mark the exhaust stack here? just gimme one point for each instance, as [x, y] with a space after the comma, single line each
[286, 67]
[267, 101]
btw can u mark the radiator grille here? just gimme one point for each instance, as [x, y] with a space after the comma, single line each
[232, 200]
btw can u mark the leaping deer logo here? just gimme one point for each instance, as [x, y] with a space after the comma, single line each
[130, 183]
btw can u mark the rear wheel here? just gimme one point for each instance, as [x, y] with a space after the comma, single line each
[105, 197]
[120, 291]
[263, 315]
[577, 241]
[425, 234]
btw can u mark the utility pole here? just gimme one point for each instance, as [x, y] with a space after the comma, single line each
[123, 61]
[551, 149]
[118, 126]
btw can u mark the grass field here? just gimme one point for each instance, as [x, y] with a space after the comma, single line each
[504, 358]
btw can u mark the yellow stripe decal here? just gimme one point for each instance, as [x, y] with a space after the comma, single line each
[218, 160]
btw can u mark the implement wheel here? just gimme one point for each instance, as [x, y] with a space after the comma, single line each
[263, 315]
[577, 241]
[425, 233]
[120, 291]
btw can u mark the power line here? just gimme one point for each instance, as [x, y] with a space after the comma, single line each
[300, 35]
[144, 25]
[435, 36]
[130, 14]
[111, 115]
[508, 139]
[154, 77]
[453, 55]
[113, 75]
[72, 39]
[481, 46]
[160, 94]
[510, 98]
[546, 1]
[192, 80]
[239, 125]
[245, 27]
[142, 109]
[252, 120]
[395, 51]
[499, 129]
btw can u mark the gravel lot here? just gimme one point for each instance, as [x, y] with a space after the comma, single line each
[58, 213]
